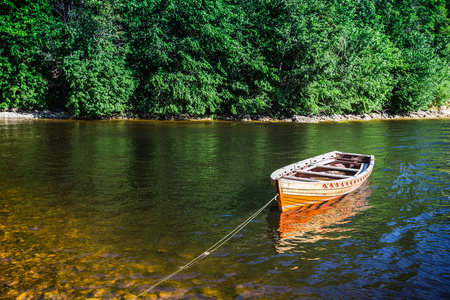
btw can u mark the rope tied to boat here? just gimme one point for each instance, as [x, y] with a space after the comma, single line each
[210, 250]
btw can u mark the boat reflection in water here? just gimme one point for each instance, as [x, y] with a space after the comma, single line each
[315, 222]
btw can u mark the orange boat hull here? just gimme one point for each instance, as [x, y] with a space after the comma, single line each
[290, 198]
[293, 202]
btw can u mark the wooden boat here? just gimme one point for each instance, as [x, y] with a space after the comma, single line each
[322, 178]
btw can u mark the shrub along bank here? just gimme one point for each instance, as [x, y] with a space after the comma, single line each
[96, 58]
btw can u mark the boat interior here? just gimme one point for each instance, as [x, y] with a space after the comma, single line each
[343, 166]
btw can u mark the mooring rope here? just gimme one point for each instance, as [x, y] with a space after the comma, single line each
[209, 251]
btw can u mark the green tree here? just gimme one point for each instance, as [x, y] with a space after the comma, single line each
[429, 18]
[100, 82]
[23, 75]
[197, 57]
[420, 29]
[422, 79]
[333, 65]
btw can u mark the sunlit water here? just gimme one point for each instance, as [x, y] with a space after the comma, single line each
[106, 209]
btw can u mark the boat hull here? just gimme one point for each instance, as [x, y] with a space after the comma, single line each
[292, 194]
[293, 202]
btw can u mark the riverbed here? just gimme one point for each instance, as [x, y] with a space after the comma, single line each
[104, 209]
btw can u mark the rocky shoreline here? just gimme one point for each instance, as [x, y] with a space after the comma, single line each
[17, 114]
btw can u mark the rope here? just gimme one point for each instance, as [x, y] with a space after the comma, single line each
[209, 251]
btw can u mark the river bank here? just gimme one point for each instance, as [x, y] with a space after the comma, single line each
[17, 114]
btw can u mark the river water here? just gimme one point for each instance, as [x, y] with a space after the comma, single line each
[105, 209]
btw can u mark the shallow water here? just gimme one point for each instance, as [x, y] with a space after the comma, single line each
[105, 209]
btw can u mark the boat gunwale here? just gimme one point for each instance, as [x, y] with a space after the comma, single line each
[312, 162]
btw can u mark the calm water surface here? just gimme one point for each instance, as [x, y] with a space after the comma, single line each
[105, 209]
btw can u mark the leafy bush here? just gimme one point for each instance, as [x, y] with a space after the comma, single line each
[193, 91]
[198, 58]
[422, 78]
[337, 65]
[21, 86]
[100, 83]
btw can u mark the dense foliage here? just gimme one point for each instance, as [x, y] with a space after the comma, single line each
[94, 57]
